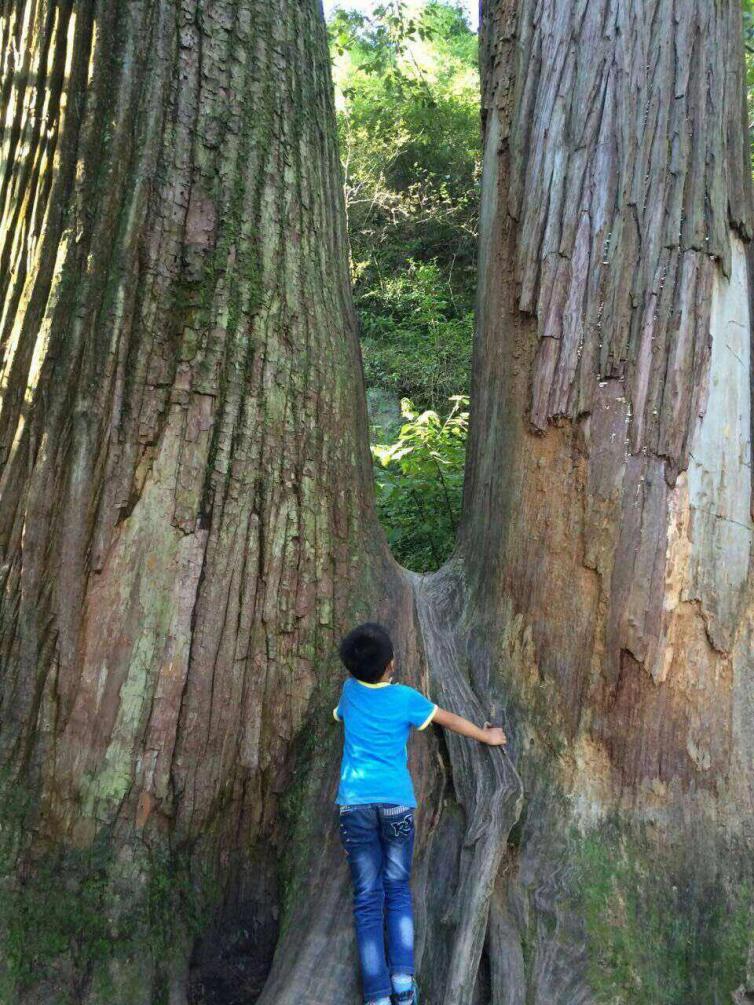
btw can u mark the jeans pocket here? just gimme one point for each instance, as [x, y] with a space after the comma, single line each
[398, 823]
[354, 823]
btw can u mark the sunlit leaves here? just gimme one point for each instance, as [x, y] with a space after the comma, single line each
[419, 479]
[416, 337]
[407, 93]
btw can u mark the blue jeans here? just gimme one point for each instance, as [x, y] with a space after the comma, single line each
[379, 843]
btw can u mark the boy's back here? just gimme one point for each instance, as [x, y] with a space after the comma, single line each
[375, 807]
[377, 719]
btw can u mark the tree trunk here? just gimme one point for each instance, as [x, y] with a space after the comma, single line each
[186, 518]
[187, 515]
[607, 515]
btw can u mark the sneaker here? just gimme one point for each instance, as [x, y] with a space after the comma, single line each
[410, 997]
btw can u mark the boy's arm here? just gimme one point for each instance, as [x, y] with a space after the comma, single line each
[492, 735]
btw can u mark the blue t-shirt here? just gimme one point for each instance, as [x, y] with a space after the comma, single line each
[377, 719]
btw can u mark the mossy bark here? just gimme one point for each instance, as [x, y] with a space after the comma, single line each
[186, 512]
[600, 599]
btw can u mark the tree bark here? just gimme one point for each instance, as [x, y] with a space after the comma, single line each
[186, 516]
[607, 512]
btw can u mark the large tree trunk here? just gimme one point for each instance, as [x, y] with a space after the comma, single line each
[186, 516]
[607, 528]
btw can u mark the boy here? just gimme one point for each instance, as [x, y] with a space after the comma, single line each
[376, 801]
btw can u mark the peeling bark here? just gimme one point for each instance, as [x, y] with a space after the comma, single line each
[607, 520]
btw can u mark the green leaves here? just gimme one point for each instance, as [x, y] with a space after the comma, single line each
[419, 480]
[379, 39]
[748, 29]
[344, 28]
[407, 94]
[416, 338]
[407, 97]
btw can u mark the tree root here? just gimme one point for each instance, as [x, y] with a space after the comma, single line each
[315, 960]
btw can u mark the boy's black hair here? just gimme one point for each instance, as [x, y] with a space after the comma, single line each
[366, 651]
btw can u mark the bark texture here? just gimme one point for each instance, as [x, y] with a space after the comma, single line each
[608, 518]
[185, 469]
[620, 331]
[186, 517]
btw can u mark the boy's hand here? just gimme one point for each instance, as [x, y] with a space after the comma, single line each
[494, 736]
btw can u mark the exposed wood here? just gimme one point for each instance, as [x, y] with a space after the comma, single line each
[607, 519]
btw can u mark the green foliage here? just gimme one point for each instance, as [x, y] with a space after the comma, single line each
[407, 94]
[414, 340]
[407, 97]
[419, 484]
[381, 39]
[748, 21]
